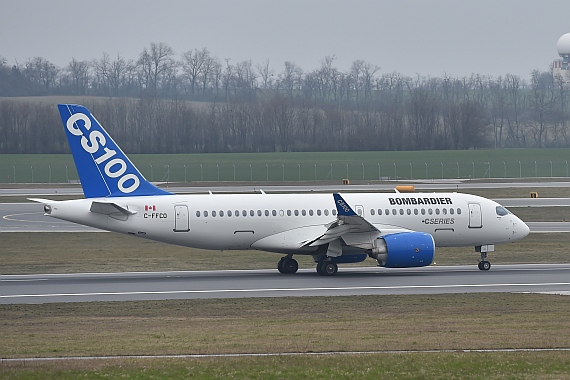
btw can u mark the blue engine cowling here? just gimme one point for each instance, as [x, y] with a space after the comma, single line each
[404, 250]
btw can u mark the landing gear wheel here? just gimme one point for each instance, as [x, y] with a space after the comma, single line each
[483, 263]
[327, 268]
[280, 265]
[287, 265]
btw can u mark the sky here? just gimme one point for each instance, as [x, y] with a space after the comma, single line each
[412, 37]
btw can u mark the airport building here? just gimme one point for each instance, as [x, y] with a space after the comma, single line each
[561, 67]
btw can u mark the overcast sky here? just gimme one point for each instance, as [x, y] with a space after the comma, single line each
[488, 37]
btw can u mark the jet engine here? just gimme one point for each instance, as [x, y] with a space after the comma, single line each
[404, 250]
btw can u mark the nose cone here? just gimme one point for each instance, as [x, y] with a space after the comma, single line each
[520, 229]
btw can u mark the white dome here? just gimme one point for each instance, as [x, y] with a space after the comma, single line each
[563, 44]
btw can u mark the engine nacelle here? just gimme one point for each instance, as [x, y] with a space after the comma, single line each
[404, 250]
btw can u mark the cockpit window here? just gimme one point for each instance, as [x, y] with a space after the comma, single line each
[501, 211]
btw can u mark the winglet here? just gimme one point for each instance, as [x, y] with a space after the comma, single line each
[103, 168]
[342, 207]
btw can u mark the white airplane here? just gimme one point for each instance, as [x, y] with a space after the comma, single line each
[397, 230]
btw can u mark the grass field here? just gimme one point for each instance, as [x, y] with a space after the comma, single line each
[301, 166]
[110, 252]
[306, 324]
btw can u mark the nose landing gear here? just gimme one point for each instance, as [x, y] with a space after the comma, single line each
[483, 263]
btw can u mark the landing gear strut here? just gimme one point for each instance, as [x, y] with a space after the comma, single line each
[327, 268]
[483, 263]
[288, 265]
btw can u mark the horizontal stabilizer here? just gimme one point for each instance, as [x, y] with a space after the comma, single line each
[109, 208]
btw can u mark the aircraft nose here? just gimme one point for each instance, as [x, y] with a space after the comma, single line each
[521, 228]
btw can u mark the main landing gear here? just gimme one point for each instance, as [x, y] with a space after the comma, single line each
[327, 268]
[288, 265]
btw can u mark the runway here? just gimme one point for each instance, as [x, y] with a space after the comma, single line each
[29, 217]
[46, 288]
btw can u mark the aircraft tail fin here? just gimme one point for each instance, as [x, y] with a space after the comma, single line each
[103, 168]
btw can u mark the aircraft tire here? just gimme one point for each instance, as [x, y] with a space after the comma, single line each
[485, 265]
[327, 268]
[280, 265]
[288, 266]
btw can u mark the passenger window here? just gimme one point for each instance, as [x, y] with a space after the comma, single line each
[334, 212]
[430, 211]
[221, 213]
[326, 212]
[319, 212]
[266, 212]
[444, 211]
[379, 211]
[213, 213]
[372, 212]
[274, 213]
[251, 213]
[451, 211]
[423, 211]
[311, 212]
[458, 211]
[415, 211]
[237, 213]
[296, 212]
[229, 212]
[394, 211]
[288, 212]
[303, 212]
[401, 211]
[437, 211]
[205, 214]
[244, 213]
[198, 214]
[258, 212]
[387, 212]
[409, 212]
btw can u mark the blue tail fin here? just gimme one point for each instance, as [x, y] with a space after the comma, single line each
[104, 170]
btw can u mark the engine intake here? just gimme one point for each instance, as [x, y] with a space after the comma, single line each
[404, 250]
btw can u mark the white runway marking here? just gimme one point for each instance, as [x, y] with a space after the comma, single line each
[330, 353]
[269, 290]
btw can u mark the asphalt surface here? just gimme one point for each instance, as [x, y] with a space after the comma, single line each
[45, 288]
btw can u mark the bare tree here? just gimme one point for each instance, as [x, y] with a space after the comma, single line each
[266, 75]
[542, 102]
[193, 62]
[153, 64]
[78, 72]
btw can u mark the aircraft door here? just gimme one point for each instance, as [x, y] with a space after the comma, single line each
[181, 219]
[475, 217]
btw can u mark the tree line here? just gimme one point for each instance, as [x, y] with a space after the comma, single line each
[199, 103]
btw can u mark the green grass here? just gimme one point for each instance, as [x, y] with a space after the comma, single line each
[24, 253]
[316, 166]
[458, 365]
[290, 324]
[307, 324]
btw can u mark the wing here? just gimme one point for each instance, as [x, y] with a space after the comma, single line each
[350, 227]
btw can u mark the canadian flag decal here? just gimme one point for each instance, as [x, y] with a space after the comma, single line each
[150, 208]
